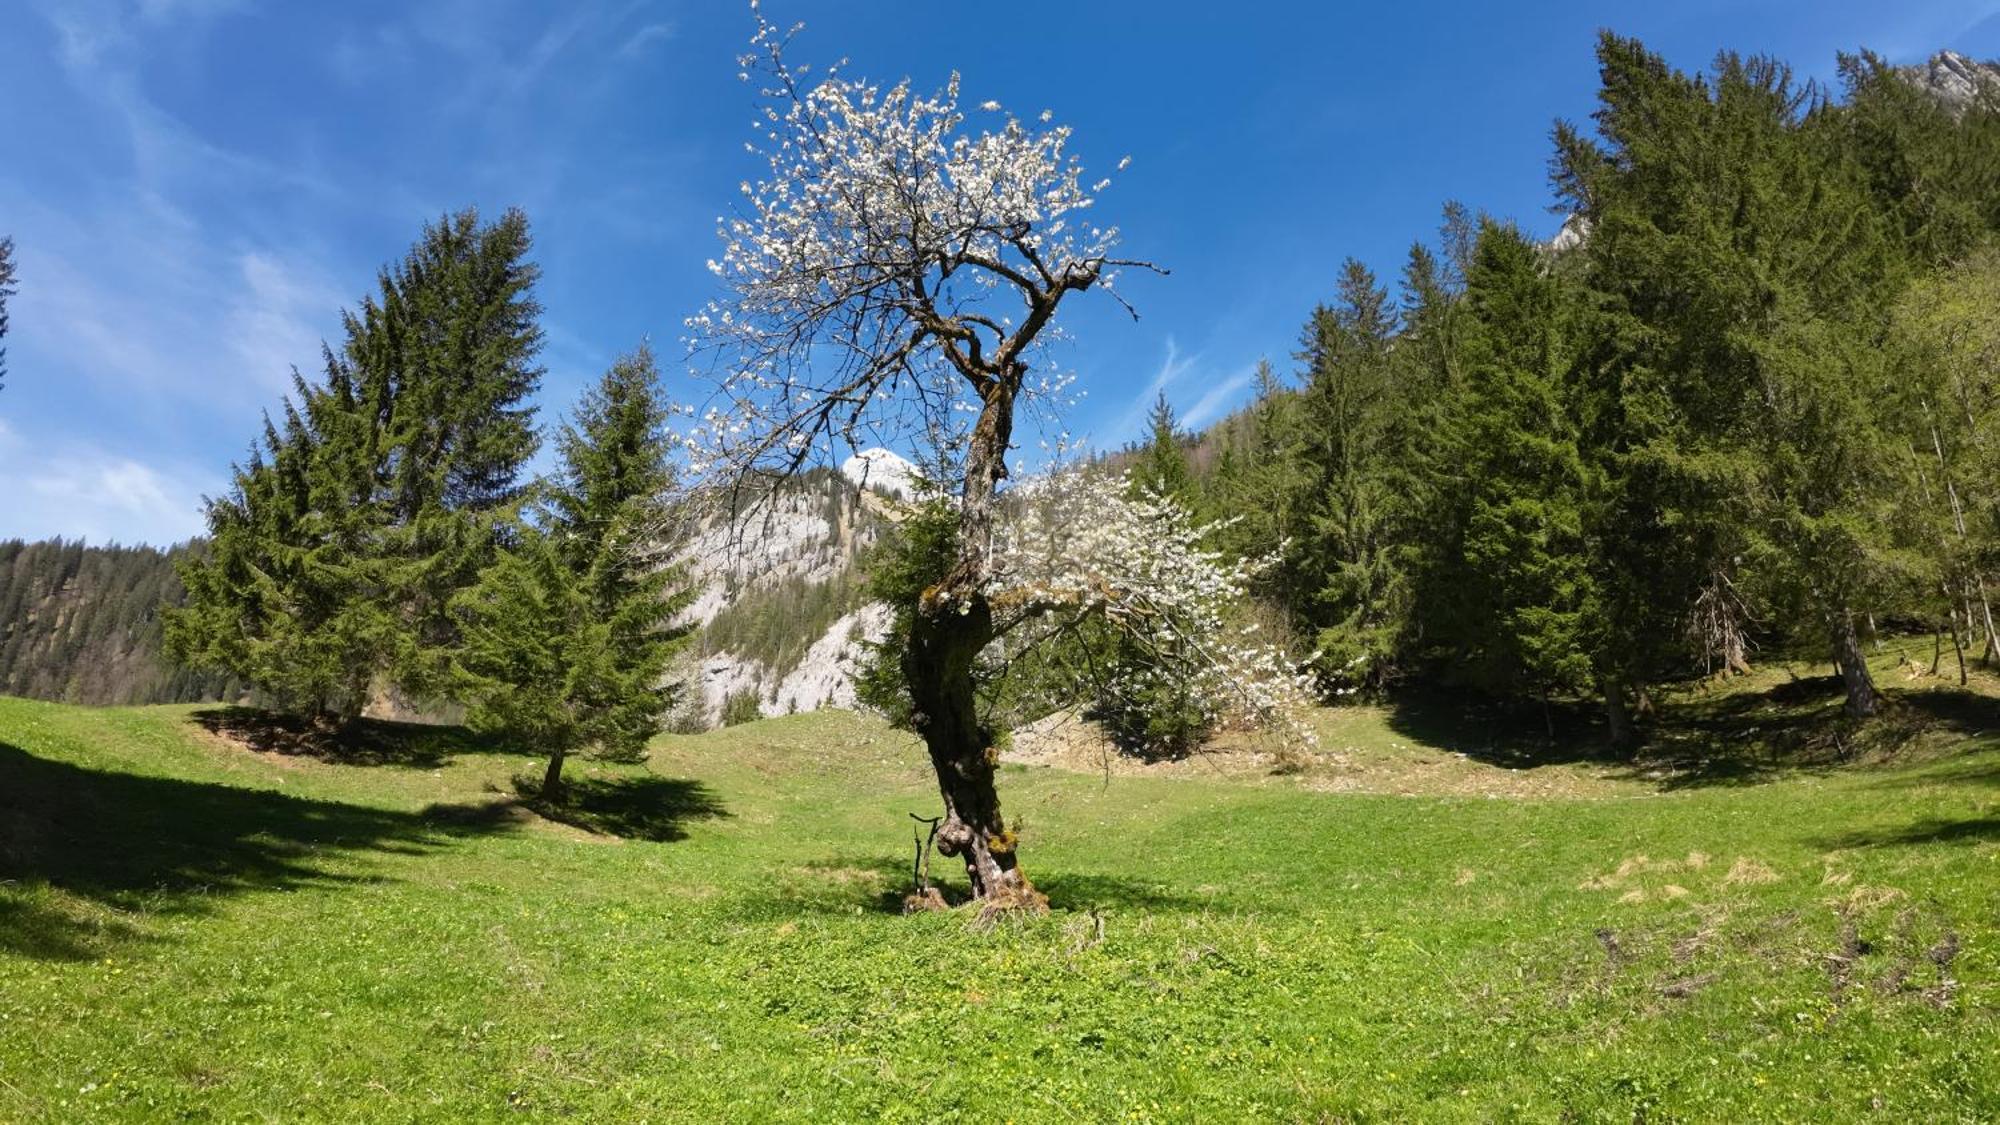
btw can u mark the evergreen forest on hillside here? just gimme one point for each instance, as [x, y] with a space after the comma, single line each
[1746, 403]
[81, 624]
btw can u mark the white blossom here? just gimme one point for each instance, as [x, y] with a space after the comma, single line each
[1082, 545]
[885, 249]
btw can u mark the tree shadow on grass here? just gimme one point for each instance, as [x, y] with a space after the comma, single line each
[1934, 830]
[86, 854]
[1083, 890]
[1516, 736]
[636, 808]
[839, 884]
[364, 742]
[1703, 738]
[1958, 710]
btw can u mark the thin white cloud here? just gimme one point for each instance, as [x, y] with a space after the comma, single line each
[1912, 31]
[1171, 369]
[271, 320]
[642, 39]
[361, 58]
[82, 491]
[174, 319]
[1219, 398]
[164, 11]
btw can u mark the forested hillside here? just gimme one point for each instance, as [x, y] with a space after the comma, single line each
[1749, 399]
[81, 624]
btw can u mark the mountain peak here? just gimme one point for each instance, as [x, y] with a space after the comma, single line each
[882, 470]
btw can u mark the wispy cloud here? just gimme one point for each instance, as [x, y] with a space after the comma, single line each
[162, 11]
[554, 39]
[273, 316]
[1172, 367]
[1915, 29]
[642, 39]
[77, 490]
[1219, 398]
[137, 304]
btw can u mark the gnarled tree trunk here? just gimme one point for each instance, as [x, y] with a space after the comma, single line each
[945, 640]
[952, 625]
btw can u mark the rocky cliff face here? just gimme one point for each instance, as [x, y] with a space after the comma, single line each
[1958, 81]
[780, 615]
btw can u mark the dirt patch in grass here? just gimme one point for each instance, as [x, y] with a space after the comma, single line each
[1360, 754]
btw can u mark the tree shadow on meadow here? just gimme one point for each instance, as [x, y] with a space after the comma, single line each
[656, 809]
[848, 883]
[364, 742]
[86, 855]
[1742, 738]
[1502, 733]
[1703, 737]
[1929, 831]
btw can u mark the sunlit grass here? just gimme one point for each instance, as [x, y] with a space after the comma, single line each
[190, 928]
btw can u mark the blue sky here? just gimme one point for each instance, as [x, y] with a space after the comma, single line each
[197, 187]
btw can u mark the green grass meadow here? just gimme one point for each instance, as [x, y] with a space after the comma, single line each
[1431, 927]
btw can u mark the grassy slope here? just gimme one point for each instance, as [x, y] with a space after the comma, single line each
[240, 935]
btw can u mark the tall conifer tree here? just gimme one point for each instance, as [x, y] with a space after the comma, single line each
[382, 491]
[1348, 414]
[1163, 462]
[1508, 588]
[6, 291]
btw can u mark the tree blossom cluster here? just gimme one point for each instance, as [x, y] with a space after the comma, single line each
[1083, 545]
[891, 266]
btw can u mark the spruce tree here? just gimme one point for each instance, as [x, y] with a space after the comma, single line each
[569, 633]
[1260, 491]
[6, 290]
[1162, 467]
[1507, 588]
[383, 490]
[1349, 410]
[446, 370]
[279, 597]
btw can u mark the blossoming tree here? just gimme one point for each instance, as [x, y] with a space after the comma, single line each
[894, 281]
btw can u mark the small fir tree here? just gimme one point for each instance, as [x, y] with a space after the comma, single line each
[568, 634]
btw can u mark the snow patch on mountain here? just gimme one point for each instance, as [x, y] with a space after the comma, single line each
[882, 470]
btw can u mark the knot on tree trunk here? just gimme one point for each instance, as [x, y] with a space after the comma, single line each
[954, 837]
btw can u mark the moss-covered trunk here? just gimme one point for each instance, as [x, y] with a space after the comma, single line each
[945, 640]
[952, 626]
